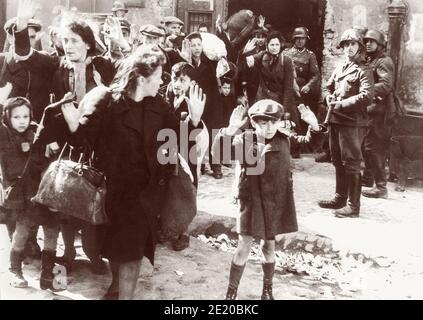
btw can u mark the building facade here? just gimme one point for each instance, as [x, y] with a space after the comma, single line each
[326, 20]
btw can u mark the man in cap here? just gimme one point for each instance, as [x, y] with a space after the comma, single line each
[174, 35]
[119, 9]
[381, 112]
[173, 25]
[151, 34]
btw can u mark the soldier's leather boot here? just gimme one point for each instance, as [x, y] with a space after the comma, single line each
[341, 195]
[376, 192]
[352, 210]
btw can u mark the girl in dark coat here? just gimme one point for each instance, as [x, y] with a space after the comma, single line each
[19, 178]
[265, 188]
[122, 124]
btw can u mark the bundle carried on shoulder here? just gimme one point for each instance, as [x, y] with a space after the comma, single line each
[240, 25]
[213, 47]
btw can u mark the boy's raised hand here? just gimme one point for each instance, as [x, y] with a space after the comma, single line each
[250, 46]
[196, 103]
[308, 117]
[238, 119]
[185, 53]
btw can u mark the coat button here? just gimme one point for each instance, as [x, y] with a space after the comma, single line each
[162, 182]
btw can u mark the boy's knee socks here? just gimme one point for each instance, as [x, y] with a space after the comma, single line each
[268, 272]
[235, 275]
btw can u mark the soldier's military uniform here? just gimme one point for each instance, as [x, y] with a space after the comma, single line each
[381, 111]
[351, 84]
[307, 72]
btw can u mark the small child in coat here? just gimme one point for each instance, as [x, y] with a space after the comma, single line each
[20, 178]
[265, 189]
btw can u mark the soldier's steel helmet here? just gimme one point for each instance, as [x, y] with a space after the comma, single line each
[376, 36]
[351, 35]
[300, 32]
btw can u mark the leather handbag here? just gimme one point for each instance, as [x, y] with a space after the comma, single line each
[74, 188]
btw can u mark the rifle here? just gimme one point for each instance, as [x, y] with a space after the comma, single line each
[329, 114]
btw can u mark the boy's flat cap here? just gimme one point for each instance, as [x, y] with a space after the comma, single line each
[172, 19]
[266, 109]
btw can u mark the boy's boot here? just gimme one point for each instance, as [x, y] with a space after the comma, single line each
[234, 277]
[341, 196]
[268, 271]
[17, 280]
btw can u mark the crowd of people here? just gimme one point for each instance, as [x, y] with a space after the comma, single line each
[113, 87]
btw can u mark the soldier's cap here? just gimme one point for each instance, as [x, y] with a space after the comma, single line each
[152, 31]
[266, 110]
[118, 5]
[259, 31]
[11, 23]
[172, 19]
[124, 24]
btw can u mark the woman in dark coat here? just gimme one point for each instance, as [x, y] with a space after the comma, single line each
[122, 124]
[276, 72]
[78, 71]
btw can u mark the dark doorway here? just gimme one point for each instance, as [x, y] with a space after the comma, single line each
[285, 15]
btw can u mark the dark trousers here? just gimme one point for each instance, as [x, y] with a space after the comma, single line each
[345, 147]
[375, 151]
